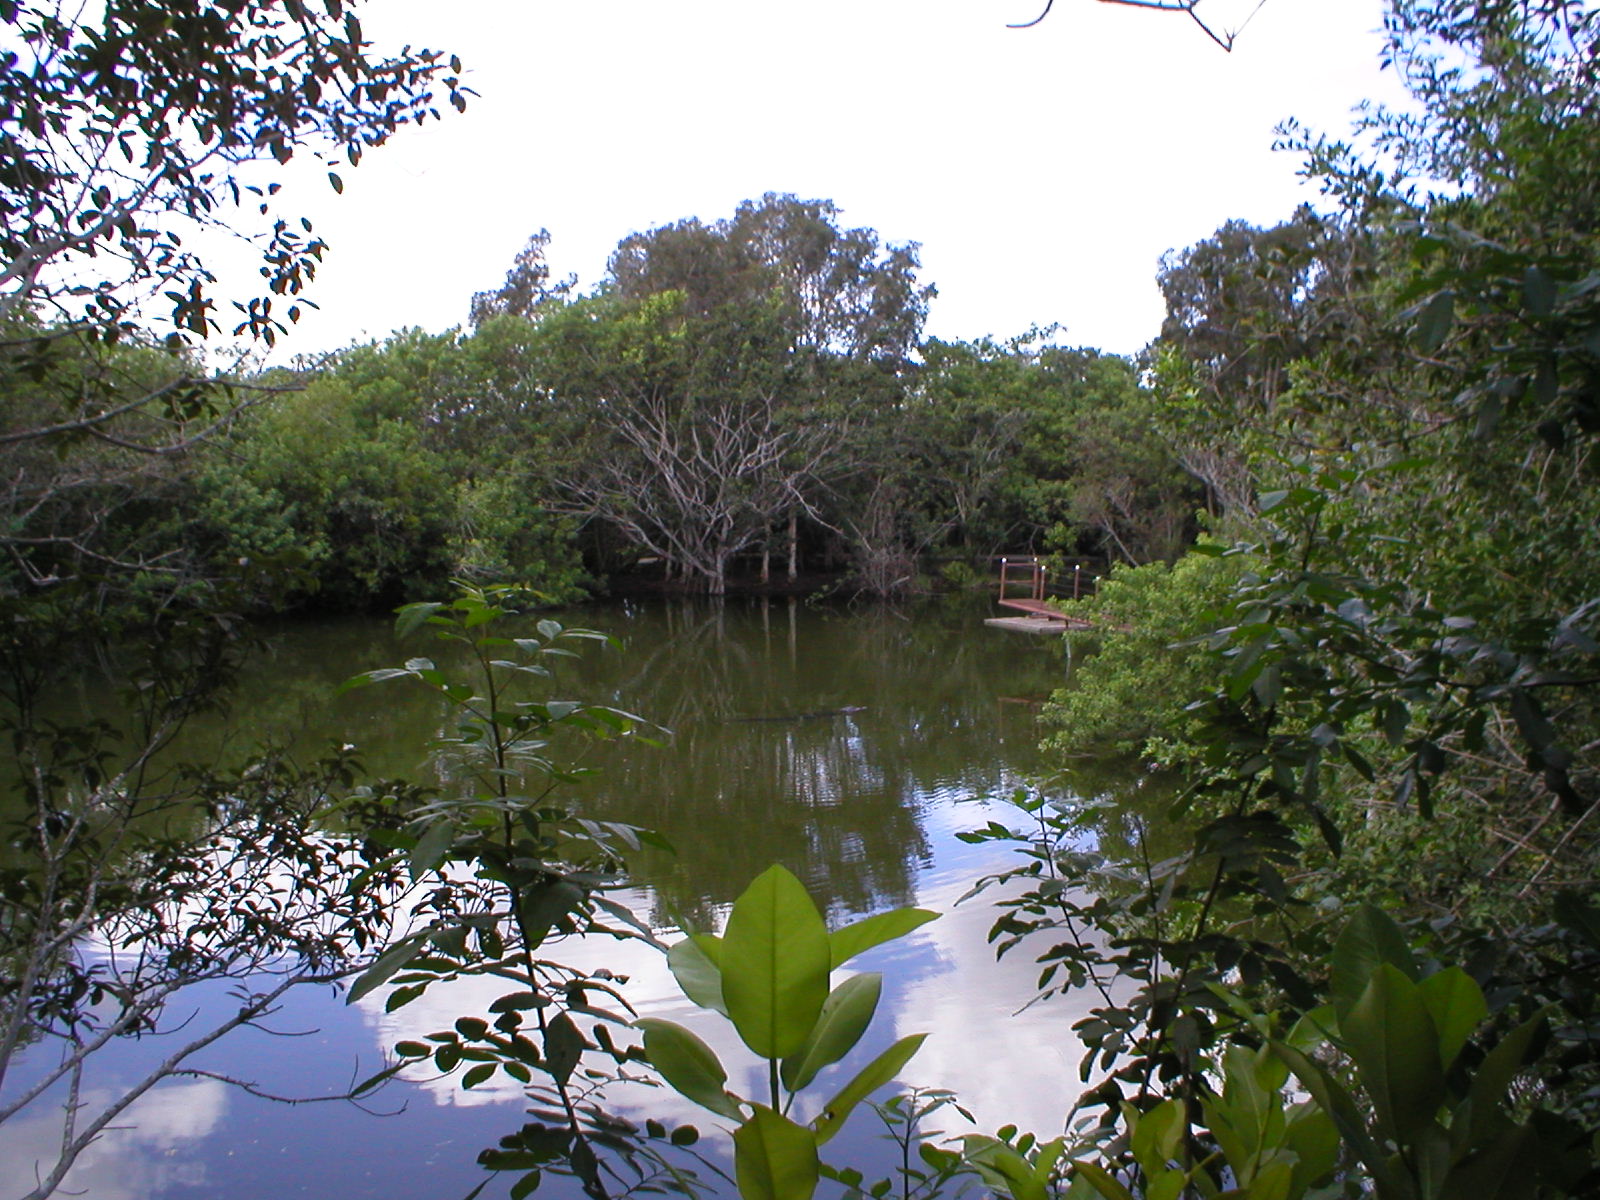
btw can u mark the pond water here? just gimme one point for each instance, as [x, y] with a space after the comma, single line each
[851, 746]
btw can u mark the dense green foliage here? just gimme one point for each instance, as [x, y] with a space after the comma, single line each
[1384, 687]
[365, 471]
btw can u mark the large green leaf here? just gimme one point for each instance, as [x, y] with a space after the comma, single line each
[1003, 1169]
[773, 1158]
[873, 1076]
[1392, 1039]
[873, 931]
[1314, 1140]
[1456, 1004]
[1370, 939]
[1335, 1100]
[1492, 1081]
[1272, 1182]
[845, 1016]
[1508, 1168]
[775, 963]
[696, 973]
[689, 1066]
[1156, 1136]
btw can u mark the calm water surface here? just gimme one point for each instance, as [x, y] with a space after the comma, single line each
[851, 746]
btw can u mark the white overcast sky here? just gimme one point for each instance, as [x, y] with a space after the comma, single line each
[1043, 171]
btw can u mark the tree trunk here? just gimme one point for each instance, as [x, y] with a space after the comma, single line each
[794, 545]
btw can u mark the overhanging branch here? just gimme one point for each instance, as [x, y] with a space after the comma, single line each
[1225, 39]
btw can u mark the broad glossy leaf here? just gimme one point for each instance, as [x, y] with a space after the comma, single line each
[1003, 1169]
[412, 616]
[698, 976]
[775, 963]
[773, 1158]
[1456, 1004]
[1508, 1168]
[873, 1076]
[1155, 1138]
[1371, 938]
[845, 1016]
[1334, 1100]
[1271, 1182]
[689, 1066]
[1392, 1039]
[1314, 1139]
[864, 934]
[544, 904]
[1435, 320]
[1492, 1080]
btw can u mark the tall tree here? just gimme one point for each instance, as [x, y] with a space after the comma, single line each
[527, 287]
[719, 374]
[686, 438]
[841, 292]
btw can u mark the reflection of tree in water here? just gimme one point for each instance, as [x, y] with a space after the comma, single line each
[765, 767]
[758, 769]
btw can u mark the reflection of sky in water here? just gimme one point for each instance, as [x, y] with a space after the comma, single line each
[188, 1140]
[151, 1152]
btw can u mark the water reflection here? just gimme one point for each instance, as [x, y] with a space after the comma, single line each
[150, 1151]
[848, 746]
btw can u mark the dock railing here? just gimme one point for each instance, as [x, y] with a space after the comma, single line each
[1026, 571]
[1025, 577]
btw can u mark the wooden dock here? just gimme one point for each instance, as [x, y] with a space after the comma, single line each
[1027, 625]
[1040, 616]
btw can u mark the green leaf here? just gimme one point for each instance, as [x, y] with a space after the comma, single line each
[431, 848]
[563, 1047]
[850, 941]
[773, 1158]
[775, 963]
[696, 973]
[1370, 939]
[873, 1076]
[1538, 291]
[1435, 320]
[477, 1075]
[1004, 1169]
[1509, 1168]
[1334, 1100]
[1491, 1083]
[1271, 1182]
[844, 1018]
[1314, 1139]
[1155, 1138]
[542, 905]
[386, 965]
[690, 1067]
[1456, 1004]
[1392, 1039]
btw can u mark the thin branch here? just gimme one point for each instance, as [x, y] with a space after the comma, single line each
[1225, 40]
